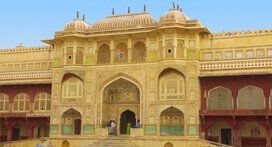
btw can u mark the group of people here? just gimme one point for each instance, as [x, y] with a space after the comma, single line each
[111, 125]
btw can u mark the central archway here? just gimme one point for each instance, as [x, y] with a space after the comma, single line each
[127, 117]
[119, 96]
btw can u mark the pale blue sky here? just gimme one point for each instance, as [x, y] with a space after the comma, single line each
[29, 21]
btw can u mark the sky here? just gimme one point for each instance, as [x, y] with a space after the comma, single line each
[30, 21]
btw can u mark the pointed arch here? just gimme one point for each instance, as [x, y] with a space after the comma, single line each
[103, 54]
[71, 122]
[168, 144]
[21, 102]
[42, 102]
[219, 98]
[172, 122]
[171, 84]
[139, 52]
[72, 88]
[121, 53]
[251, 97]
[4, 102]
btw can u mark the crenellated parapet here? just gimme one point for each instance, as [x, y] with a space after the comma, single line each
[241, 33]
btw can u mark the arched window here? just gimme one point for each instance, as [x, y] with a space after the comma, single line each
[4, 102]
[171, 122]
[71, 122]
[219, 98]
[72, 89]
[103, 55]
[139, 52]
[172, 85]
[168, 144]
[121, 53]
[42, 102]
[21, 102]
[250, 97]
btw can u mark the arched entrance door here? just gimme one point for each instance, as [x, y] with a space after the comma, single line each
[127, 117]
[65, 144]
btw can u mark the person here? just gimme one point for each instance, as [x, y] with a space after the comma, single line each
[108, 125]
[137, 124]
[128, 127]
[113, 126]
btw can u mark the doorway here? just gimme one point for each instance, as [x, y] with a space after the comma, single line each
[77, 126]
[127, 116]
[65, 143]
[16, 134]
[226, 136]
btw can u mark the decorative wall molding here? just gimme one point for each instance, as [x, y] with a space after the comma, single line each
[241, 33]
[26, 75]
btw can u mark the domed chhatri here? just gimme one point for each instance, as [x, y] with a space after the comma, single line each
[173, 16]
[77, 24]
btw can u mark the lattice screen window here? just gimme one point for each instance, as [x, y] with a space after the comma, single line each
[169, 50]
[172, 116]
[121, 53]
[103, 55]
[180, 49]
[72, 89]
[79, 56]
[69, 55]
[139, 52]
[172, 86]
[4, 102]
[42, 102]
[21, 102]
[251, 97]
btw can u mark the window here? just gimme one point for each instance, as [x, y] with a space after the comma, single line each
[4, 102]
[72, 89]
[103, 55]
[42, 102]
[21, 102]
[139, 52]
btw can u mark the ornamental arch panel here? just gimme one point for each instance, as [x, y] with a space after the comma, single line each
[168, 144]
[251, 97]
[121, 53]
[219, 98]
[72, 88]
[139, 52]
[172, 122]
[71, 122]
[103, 54]
[171, 85]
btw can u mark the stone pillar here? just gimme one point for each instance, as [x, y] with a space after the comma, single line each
[112, 55]
[9, 132]
[268, 137]
[30, 132]
[175, 43]
[163, 46]
[236, 141]
[129, 49]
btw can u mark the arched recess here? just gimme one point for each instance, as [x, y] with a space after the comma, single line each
[250, 97]
[103, 54]
[171, 85]
[71, 122]
[21, 102]
[72, 88]
[121, 53]
[220, 132]
[79, 55]
[252, 134]
[4, 102]
[172, 122]
[42, 102]
[139, 52]
[119, 95]
[65, 143]
[168, 144]
[219, 98]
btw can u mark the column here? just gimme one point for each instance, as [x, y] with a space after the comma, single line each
[112, 51]
[163, 45]
[268, 137]
[30, 132]
[236, 141]
[175, 43]
[129, 49]
[9, 133]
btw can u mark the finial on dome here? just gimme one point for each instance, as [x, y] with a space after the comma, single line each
[113, 12]
[77, 14]
[83, 17]
[128, 9]
[144, 8]
[174, 6]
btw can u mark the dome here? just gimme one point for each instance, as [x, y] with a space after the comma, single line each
[125, 21]
[173, 15]
[77, 24]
